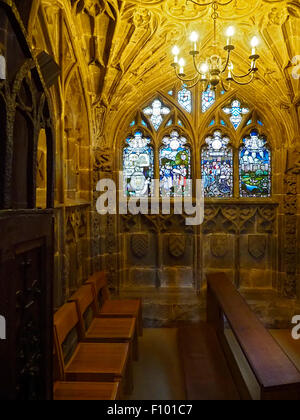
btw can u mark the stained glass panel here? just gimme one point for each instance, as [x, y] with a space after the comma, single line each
[236, 111]
[208, 99]
[175, 167]
[217, 167]
[156, 112]
[138, 166]
[255, 167]
[185, 99]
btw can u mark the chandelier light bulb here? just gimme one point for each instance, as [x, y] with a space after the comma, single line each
[254, 42]
[230, 31]
[181, 65]
[175, 50]
[194, 37]
[181, 62]
[204, 68]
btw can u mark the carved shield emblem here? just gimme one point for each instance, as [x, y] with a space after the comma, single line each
[139, 245]
[177, 244]
[219, 245]
[257, 246]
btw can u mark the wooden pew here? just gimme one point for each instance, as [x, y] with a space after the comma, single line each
[103, 330]
[117, 308]
[86, 391]
[276, 376]
[88, 362]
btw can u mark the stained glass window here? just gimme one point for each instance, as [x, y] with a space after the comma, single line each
[236, 111]
[175, 167]
[255, 167]
[132, 123]
[170, 122]
[212, 123]
[156, 112]
[223, 123]
[217, 167]
[185, 99]
[180, 123]
[208, 99]
[138, 166]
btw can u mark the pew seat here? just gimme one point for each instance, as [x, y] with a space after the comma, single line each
[88, 362]
[117, 308]
[103, 330]
[86, 391]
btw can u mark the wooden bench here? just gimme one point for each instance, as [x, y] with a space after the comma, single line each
[89, 362]
[238, 329]
[117, 308]
[103, 330]
[86, 391]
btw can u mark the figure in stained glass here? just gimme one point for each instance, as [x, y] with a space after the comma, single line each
[156, 112]
[217, 167]
[138, 166]
[255, 167]
[175, 167]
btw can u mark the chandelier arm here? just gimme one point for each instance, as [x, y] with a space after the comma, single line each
[210, 3]
[192, 85]
[227, 62]
[186, 80]
[244, 83]
[224, 87]
[195, 65]
[244, 75]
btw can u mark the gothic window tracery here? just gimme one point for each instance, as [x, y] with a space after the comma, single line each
[236, 112]
[165, 150]
[156, 113]
[185, 99]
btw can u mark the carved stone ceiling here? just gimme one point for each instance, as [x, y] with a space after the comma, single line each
[127, 44]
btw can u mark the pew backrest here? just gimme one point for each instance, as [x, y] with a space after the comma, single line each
[277, 376]
[100, 289]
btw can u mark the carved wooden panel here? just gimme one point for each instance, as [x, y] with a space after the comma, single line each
[26, 255]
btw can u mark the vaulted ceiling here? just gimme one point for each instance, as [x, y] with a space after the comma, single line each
[123, 48]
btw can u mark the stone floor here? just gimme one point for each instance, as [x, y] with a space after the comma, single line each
[158, 374]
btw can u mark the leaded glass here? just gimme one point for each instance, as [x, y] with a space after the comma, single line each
[236, 111]
[208, 99]
[170, 122]
[156, 112]
[185, 99]
[180, 123]
[217, 167]
[138, 166]
[132, 124]
[175, 167]
[255, 167]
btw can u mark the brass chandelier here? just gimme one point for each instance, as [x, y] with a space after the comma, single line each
[214, 70]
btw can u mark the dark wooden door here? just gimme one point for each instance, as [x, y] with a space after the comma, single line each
[26, 260]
